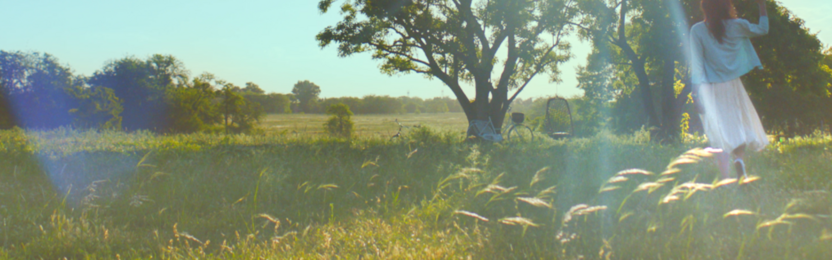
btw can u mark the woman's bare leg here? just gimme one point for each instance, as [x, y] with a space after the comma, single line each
[739, 154]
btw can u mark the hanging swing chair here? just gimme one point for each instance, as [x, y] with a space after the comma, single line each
[557, 114]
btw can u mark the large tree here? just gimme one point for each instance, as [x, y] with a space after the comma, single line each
[33, 90]
[639, 46]
[459, 42]
[134, 81]
[142, 85]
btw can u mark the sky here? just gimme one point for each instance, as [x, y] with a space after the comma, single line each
[271, 43]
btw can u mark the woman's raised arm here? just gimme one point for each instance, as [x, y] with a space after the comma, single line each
[762, 4]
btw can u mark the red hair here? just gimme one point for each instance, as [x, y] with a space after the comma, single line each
[716, 12]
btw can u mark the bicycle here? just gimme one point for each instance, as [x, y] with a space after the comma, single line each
[517, 123]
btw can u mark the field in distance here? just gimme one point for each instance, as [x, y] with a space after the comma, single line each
[365, 125]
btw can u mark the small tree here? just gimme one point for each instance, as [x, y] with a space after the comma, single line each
[191, 109]
[306, 93]
[340, 123]
[239, 115]
[230, 105]
[253, 88]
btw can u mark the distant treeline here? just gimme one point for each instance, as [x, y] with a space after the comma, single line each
[154, 94]
[158, 94]
[391, 105]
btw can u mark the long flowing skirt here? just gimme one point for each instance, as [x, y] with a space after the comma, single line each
[729, 117]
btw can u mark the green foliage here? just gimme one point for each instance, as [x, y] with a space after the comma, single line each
[253, 88]
[791, 93]
[440, 105]
[240, 115]
[306, 93]
[340, 123]
[6, 114]
[141, 87]
[411, 107]
[272, 103]
[97, 107]
[381, 104]
[34, 87]
[191, 108]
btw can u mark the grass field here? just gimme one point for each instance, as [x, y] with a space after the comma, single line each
[429, 195]
[365, 125]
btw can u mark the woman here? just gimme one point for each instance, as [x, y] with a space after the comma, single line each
[721, 52]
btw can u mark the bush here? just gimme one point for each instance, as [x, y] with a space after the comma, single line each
[340, 123]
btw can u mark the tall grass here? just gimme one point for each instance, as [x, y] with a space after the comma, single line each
[426, 195]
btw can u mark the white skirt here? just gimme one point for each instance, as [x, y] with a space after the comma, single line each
[729, 118]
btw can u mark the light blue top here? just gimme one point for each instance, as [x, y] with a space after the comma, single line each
[714, 62]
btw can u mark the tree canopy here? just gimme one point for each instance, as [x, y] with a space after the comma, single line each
[306, 94]
[33, 90]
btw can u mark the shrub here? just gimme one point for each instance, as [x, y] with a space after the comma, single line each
[340, 123]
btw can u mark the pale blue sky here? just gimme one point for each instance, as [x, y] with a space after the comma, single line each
[270, 42]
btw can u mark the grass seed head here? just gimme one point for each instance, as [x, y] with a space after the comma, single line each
[682, 160]
[700, 152]
[666, 179]
[633, 172]
[610, 188]
[535, 202]
[738, 212]
[328, 186]
[568, 216]
[513, 221]
[748, 179]
[538, 176]
[625, 216]
[617, 179]
[772, 223]
[471, 214]
[724, 182]
[648, 186]
[589, 210]
[669, 199]
[545, 193]
[670, 171]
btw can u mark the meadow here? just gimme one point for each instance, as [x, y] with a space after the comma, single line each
[429, 194]
[372, 125]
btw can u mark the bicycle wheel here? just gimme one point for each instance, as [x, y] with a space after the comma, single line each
[508, 133]
[514, 131]
[531, 133]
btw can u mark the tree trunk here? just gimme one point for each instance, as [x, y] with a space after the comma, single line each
[499, 98]
[671, 112]
[481, 100]
[643, 82]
